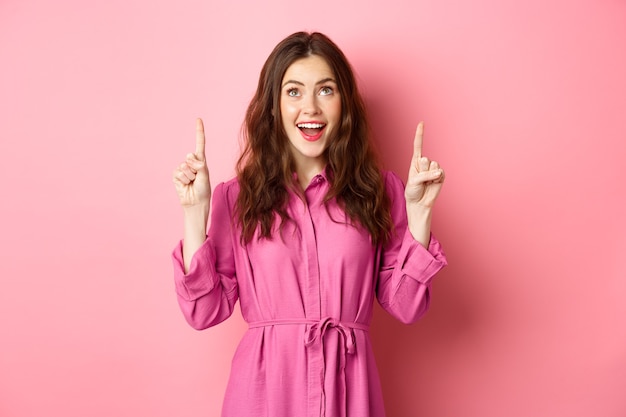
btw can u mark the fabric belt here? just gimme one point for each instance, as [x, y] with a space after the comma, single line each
[314, 342]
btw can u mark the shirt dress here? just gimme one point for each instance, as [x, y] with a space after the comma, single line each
[307, 295]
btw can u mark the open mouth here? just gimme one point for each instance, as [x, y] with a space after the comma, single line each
[311, 130]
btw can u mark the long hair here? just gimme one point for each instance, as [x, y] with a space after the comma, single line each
[265, 167]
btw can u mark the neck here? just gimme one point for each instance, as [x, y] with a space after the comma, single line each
[307, 173]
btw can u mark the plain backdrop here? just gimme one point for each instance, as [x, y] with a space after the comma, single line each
[524, 104]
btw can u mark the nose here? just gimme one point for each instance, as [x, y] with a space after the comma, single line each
[310, 104]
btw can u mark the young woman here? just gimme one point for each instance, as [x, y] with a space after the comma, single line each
[305, 237]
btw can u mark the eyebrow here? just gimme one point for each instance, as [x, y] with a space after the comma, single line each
[322, 81]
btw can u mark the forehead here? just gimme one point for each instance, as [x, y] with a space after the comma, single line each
[310, 69]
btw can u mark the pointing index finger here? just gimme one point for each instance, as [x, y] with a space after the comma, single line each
[419, 140]
[200, 140]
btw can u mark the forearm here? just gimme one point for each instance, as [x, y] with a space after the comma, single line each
[419, 219]
[206, 297]
[195, 225]
[407, 271]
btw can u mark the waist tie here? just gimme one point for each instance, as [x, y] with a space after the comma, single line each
[314, 342]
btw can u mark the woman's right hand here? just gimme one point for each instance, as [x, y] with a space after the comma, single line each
[191, 178]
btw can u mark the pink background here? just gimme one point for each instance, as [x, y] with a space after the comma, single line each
[525, 107]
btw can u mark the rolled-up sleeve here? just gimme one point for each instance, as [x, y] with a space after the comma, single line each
[207, 293]
[407, 268]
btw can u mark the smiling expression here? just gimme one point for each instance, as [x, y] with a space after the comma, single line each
[310, 105]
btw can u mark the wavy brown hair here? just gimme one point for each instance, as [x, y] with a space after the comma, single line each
[265, 167]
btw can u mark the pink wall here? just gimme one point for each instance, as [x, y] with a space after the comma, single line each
[525, 105]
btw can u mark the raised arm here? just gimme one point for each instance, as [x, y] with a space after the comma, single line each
[422, 188]
[191, 179]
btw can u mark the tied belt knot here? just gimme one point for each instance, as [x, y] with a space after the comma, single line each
[314, 342]
[317, 331]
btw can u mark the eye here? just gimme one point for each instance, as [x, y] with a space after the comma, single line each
[325, 91]
[293, 92]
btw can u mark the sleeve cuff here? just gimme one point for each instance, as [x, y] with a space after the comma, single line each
[200, 279]
[420, 263]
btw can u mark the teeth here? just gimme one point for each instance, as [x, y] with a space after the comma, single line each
[310, 125]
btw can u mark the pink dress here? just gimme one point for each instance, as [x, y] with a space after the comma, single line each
[308, 300]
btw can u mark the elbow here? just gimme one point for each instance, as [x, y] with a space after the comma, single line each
[197, 324]
[414, 315]
[201, 317]
[409, 311]
[204, 321]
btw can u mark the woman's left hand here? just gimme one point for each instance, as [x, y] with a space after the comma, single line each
[425, 176]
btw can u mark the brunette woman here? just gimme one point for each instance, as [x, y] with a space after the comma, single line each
[305, 237]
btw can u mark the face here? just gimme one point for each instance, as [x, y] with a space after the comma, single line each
[310, 106]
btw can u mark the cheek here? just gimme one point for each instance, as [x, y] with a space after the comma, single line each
[287, 113]
[335, 110]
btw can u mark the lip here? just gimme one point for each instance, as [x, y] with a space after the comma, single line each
[312, 138]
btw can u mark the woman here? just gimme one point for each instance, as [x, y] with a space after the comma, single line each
[305, 237]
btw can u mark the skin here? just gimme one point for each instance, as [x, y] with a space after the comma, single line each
[191, 179]
[310, 102]
[423, 186]
[309, 94]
